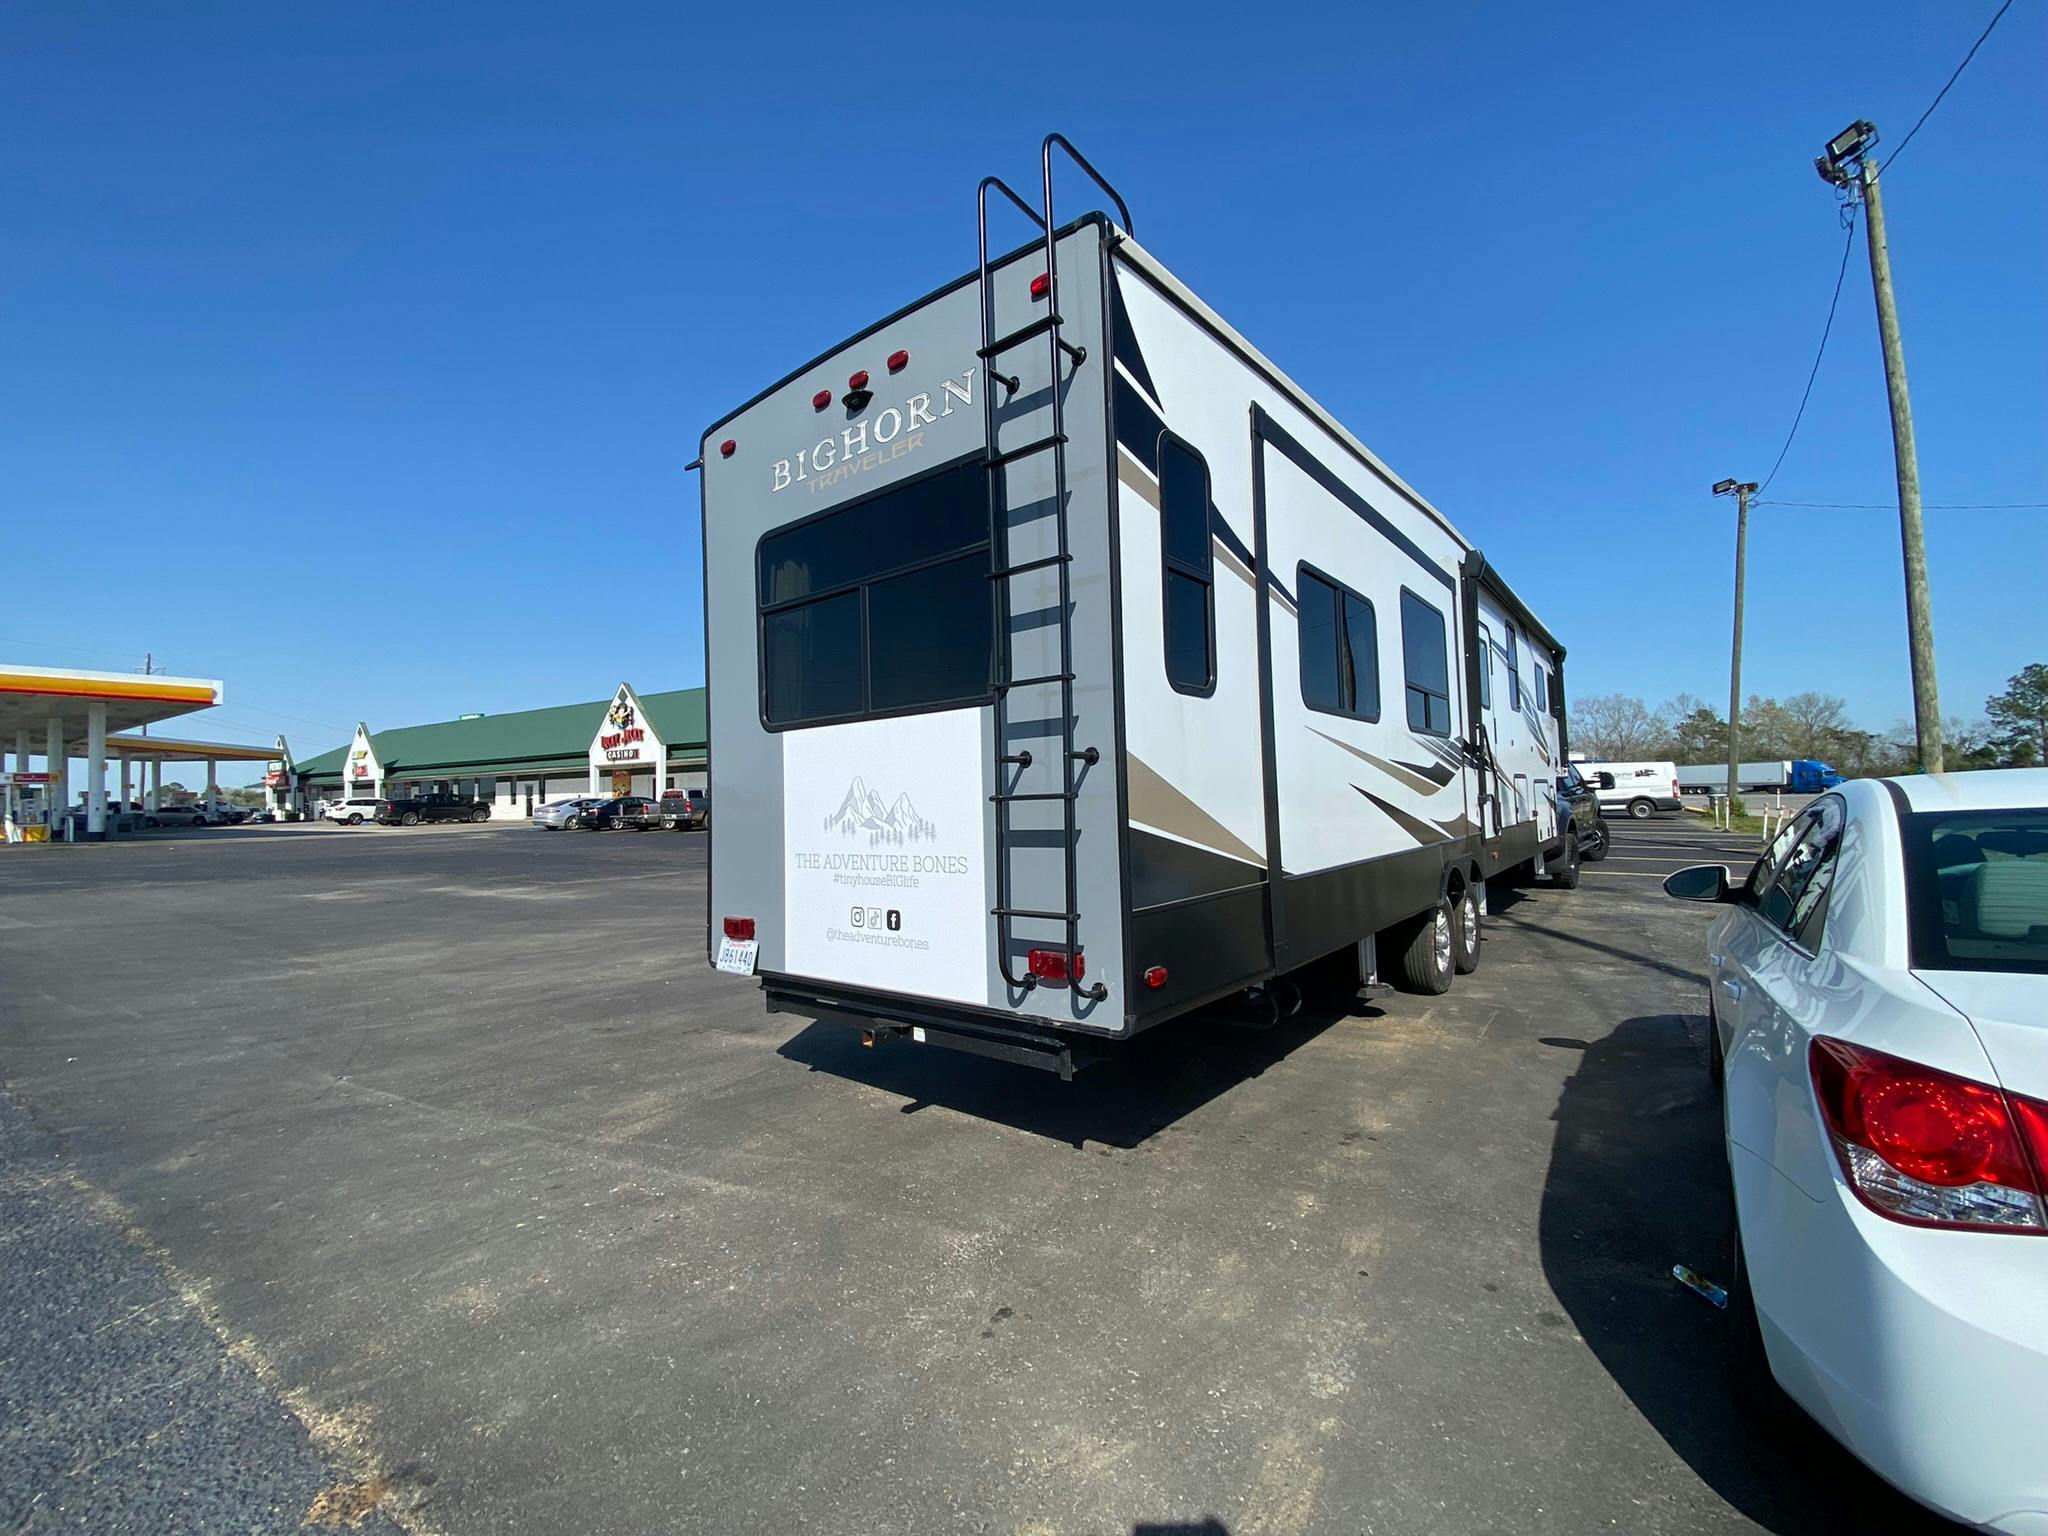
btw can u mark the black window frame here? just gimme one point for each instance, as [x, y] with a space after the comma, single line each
[1542, 680]
[1304, 570]
[765, 610]
[1171, 566]
[1511, 656]
[1407, 682]
[1485, 669]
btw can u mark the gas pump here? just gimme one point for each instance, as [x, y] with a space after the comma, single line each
[25, 799]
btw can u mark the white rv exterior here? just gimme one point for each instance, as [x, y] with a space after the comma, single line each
[1023, 744]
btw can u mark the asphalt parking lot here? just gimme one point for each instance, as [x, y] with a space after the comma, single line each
[452, 1146]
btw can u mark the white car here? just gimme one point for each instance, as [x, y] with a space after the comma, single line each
[1879, 1001]
[557, 814]
[352, 813]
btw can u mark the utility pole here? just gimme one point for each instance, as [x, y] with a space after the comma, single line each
[1850, 148]
[1742, 491]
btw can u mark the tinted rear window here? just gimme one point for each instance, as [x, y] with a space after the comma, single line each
[1977, 890]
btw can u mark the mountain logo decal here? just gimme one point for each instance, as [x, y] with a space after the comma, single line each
[864, 811]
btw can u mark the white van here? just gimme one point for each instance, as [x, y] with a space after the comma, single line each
[1636, 788]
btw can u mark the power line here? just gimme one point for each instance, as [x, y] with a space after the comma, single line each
[1931, 506]
[1888, 159]
[1849, 239]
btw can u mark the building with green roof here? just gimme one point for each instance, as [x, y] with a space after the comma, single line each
[625, 743]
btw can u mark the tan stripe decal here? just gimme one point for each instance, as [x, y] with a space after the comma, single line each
[1227, 558]
[1129, 472]
[1156, 803]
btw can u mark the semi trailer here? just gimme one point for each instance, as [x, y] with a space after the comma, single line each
[1070, 669]
[1797, 776]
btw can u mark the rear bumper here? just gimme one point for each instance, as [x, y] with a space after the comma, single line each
[1924, 1352]
[882, 1018]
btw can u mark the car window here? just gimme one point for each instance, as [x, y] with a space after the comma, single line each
[1767, 864]
[1977, 889]
[1798, 895]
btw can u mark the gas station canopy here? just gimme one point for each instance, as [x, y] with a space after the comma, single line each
[172, 749]
[31, 697]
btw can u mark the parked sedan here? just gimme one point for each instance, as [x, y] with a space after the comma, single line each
[175, 816]
[628, 812]
[557, 814]
[1879, 1003]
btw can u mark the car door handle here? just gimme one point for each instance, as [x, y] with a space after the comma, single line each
[1732, 988]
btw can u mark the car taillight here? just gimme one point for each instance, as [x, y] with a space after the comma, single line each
[741, 928]
[1921, 1145]
[1051, 964]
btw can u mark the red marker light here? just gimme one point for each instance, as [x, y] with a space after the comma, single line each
[859, 380]
[1155, 978]
[1041, 285]
[898, 361]
[1051, 964]
[727, 448]
[821, 399]
[739, 929]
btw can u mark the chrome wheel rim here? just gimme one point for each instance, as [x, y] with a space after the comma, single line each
[1443, 939]
[1471, 920]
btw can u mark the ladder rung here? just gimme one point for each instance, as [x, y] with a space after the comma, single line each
[1000, 459]
[1030, 682]
[1037, 327]
[1029, 565]
[1044, 794]
[1049, 917]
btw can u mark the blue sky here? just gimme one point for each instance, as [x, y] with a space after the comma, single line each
[354, 353]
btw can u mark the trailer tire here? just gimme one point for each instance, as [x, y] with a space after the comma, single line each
[1639, 809]
[1427, 944]
[1465, 938]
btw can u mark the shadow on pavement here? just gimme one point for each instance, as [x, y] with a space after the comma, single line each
[1638, 1182]
[1140, 1088]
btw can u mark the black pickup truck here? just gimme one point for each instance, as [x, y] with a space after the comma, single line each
[410, 813]
[1578, 807]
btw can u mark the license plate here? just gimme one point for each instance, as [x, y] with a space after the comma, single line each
[738, 955]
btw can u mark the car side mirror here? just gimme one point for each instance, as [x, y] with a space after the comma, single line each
[1607, 781]
[1700, 882]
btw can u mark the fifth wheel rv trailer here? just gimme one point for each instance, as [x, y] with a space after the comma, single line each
[1070, 669]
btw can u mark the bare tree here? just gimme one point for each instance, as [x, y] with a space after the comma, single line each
[1814, 722]
[1617, 727]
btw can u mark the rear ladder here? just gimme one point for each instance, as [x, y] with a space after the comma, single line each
[1002, 573]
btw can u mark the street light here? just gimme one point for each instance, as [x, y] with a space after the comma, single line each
[1844, 150]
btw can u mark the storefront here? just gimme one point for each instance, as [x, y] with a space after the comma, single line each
[626, 743]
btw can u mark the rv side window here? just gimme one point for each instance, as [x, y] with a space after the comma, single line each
[1189, 566]
[1339, 642]
[1514, 661]
[1426, 664]
[1542, 691]
[1485, 669]
[884, 605]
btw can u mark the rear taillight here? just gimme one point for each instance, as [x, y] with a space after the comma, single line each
[740, 928]
[1051, 964]
[1041, 285]
[1926, 1146]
